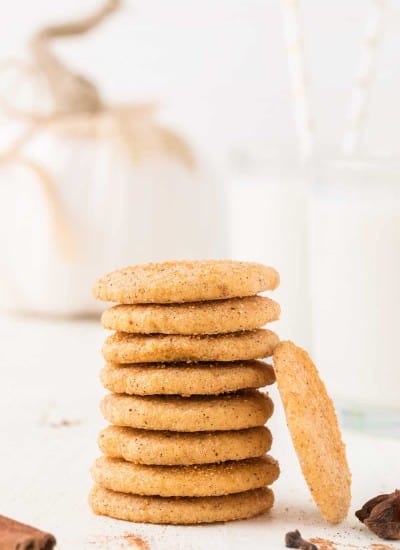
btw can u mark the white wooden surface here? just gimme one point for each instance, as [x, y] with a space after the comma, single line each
[49, 422]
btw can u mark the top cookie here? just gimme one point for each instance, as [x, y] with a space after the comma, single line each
[185, 281]
[314, 428]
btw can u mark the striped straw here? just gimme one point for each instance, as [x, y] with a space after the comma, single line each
[296, 61]
[359, 99]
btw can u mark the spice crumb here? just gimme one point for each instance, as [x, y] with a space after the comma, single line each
[323, 544]
[136, 541]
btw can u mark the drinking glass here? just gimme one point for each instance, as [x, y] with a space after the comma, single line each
[355, 288]
[269, 193]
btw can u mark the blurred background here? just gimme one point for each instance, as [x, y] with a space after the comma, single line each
[259, 130]
[219, 68]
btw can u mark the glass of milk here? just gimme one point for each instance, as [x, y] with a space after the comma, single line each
[355, 288]
[269, 199]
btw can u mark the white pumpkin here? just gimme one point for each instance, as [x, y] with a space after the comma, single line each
[117, 212]
[94, 187]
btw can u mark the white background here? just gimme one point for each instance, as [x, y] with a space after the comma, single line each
[219, 67]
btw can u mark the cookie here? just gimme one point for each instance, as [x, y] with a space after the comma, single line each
[121, 347]
[180, 511]
[313, 424]
[219, 316]
[185, 481]
[185, 281]
[179, 448]
[186, 379]
[188, 414]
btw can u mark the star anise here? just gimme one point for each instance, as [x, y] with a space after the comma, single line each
[382, 515]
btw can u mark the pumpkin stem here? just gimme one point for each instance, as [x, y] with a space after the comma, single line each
[71, 92]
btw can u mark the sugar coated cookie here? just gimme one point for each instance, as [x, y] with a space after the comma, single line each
[185, 481]
[185, 281]
[313, 424]
[186, 378]
[180, 511]
[216, 317]
[178, 448]
[121, 347]
[188, 414]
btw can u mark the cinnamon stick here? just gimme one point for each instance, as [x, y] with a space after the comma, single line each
[19, 536]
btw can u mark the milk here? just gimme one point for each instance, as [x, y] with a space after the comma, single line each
[355, 283]
[269, 225]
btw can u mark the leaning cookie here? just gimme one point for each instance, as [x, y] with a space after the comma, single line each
[180, 511]
[179, 448]
[216, 317]
[121, 347]
[312, 421]
[185, 481]
[186, 379]
[185, 281]
[236, 411]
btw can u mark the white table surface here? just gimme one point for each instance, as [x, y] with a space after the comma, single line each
[49, 422]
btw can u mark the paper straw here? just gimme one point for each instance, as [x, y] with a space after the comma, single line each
[296, 62]
[359, 99]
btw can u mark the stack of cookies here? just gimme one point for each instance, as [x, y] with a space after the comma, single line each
[187, 440]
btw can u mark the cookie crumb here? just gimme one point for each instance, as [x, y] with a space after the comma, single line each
[381, 547]
[64, 423]
[325, 544]
[136, 541]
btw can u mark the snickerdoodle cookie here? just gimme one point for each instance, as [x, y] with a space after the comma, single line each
[313, 424]
[180, 511]
[216, 317]
[179, 448]
[236, 411]
[185, 281]
[121, 347]
[186, 378]
[185, 481]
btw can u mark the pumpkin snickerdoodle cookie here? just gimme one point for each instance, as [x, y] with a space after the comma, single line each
[186, 378]
[185, 281]
[185, 481]
[236, 411]
[179, 448]
[121, 347]
[314, 428]
[216, 317]
[185, 510]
